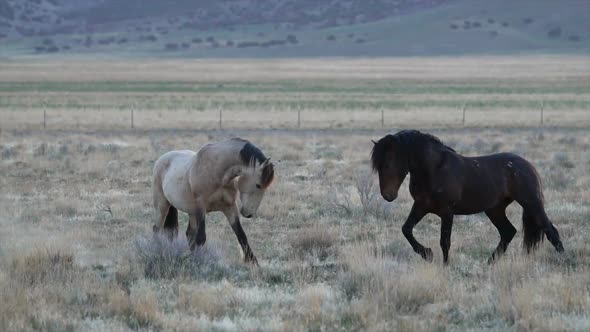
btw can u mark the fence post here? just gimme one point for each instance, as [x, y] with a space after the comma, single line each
[464, 106]
[220, 119]
[382, 119]
[542, 110]
[44, 118]
[298, 117]
[132, 126]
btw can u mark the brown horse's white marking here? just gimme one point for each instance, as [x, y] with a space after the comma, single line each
[209, 180]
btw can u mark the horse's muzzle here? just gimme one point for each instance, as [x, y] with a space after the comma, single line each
[245, 214]
[389, 197]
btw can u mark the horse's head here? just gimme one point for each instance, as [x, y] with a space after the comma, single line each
[390, 161]
[252, 185]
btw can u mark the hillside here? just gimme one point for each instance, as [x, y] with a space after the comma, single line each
[254, 28]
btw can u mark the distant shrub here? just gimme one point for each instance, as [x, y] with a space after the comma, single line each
[331, 38]
[505, 24]
[39, 49]
[248, 44]
[52, 49]
[171, 46]
[454, 26]
[574, 38]
[528, 20]
[66, 47]
[229, 43]
[292, 39]
[359, 41]
[106, 41]
[197, 40]
[273, 43]
[8, 152]
[185, 45]
[476, 24]
[122, 40]
[6, 10]
[491, 21]
[47, 42]
[563, 160]
[494, 33]
[351, 35]
[210, 39]
[148, 38]
[554, 33]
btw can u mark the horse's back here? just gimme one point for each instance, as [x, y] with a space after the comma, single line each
[494, 178]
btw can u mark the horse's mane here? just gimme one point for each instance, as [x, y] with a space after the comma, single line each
[249, 154]
[408, 140]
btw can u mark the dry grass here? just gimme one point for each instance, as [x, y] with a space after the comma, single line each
[335, 93]
[477, 68]
[320, 268]
[77, 251]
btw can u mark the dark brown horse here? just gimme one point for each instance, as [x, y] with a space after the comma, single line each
[445, 183]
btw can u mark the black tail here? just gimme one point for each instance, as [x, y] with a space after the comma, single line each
[171, 219]
[533, 233]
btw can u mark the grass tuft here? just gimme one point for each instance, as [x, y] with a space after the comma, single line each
[43, 265]
[162, 259]
[316, 240]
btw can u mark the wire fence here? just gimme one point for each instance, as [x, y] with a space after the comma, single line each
[64, 119]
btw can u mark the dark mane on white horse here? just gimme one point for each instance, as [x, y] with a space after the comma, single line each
[251, 153]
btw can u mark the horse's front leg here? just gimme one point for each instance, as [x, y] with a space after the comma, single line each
[195, 233]
[445, 235]
[416, 214]
[233, 218]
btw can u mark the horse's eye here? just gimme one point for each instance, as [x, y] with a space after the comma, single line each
[258, 186]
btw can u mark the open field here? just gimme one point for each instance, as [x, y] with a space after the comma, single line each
[76, 247]
[338, 93]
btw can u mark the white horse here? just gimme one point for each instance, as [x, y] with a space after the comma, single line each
[209, 180]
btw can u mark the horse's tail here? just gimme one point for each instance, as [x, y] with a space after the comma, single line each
[533, 233]
[171, 218]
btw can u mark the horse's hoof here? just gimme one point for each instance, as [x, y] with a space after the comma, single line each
[427, 254]
[559, 248]
[252, 260]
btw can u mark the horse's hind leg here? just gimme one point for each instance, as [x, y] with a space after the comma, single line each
[167, 221]
[167, 216]
[497, 216]
[445, 235]
[171, 223]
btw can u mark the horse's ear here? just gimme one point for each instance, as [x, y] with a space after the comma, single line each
[374, 142]
[264, 163]
[276, 163]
